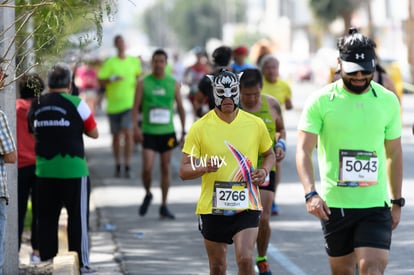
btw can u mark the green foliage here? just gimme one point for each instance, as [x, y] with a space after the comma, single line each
[326, 11]
[45, 29]
[187, 24]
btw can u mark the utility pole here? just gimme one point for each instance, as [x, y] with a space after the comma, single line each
[7, 104]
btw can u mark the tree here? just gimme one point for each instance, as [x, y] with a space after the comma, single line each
[44, 29]
[327, 11]
[188, 24]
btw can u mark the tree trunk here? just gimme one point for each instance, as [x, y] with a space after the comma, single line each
[7, 104]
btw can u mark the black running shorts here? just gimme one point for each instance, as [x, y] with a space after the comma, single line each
[351, 228]
[272, 182]
[160, 143]
[221, 229]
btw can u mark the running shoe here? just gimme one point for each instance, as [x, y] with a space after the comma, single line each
[87, 270]
[34, 259]
[127, 174]
[145, 204]
[165, 213]
[275, 209]
[117, 173]
[264, 268]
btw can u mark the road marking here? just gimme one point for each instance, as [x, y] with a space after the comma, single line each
[284, 261]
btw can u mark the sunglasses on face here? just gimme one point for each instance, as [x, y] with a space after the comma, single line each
[362, 72]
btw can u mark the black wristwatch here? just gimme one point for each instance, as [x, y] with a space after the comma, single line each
[400, 202]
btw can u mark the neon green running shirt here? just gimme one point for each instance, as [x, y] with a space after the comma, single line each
[158, 100]
[351, 132]
[120, 94]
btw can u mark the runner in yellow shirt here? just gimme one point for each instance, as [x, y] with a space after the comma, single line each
[222, 148]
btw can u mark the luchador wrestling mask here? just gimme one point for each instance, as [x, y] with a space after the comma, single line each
[225, 84]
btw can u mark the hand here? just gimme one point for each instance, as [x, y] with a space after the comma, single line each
[317, 207]
[114, 78]
[211, 166]
[258, 176]
[396, 215]
[138, 136]
[280, 154]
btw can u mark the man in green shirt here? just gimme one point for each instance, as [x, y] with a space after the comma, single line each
[156, 94]
[356, 125]
[119, 75]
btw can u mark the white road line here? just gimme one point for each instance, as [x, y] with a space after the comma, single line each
[284, 261]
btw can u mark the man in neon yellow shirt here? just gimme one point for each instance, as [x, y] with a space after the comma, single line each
[119, 76]
[356, 125]
[279, 89]
[222, 148]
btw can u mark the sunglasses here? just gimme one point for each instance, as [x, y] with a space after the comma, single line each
[362, 72]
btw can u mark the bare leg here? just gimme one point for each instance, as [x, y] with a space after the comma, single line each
[244, 242]
[148, 157]
[217, 257]
[129, 145]
[371, 260]
[116, 147]
[277, 181]
[165, 174]
[264, 227]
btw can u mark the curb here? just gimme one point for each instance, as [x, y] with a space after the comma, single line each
[65, 262]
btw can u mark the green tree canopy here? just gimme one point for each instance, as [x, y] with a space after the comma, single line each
[188, 24]
[45, 29]
[326, 11]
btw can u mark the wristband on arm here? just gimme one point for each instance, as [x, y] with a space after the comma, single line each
[282, 144]
[310, 195]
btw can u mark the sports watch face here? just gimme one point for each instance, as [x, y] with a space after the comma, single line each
[400, 202]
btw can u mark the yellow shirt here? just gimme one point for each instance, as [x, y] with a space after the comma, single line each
[279, 90]
[234, 146]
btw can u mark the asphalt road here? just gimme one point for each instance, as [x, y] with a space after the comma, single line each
[124, 243]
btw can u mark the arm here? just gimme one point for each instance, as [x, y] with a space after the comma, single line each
[10, 157]
[288, 104]
[93, 133]
[259, 175]
[280, 134]
[189, 171]
[305, 145]
[9, 153]
[135, 109]
[89, 124]
[288, 100]
[180, 109]
[394, 170]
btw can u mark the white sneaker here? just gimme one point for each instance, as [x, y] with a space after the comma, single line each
[34, 259]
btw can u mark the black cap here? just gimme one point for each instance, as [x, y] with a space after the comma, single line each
[358, 60]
